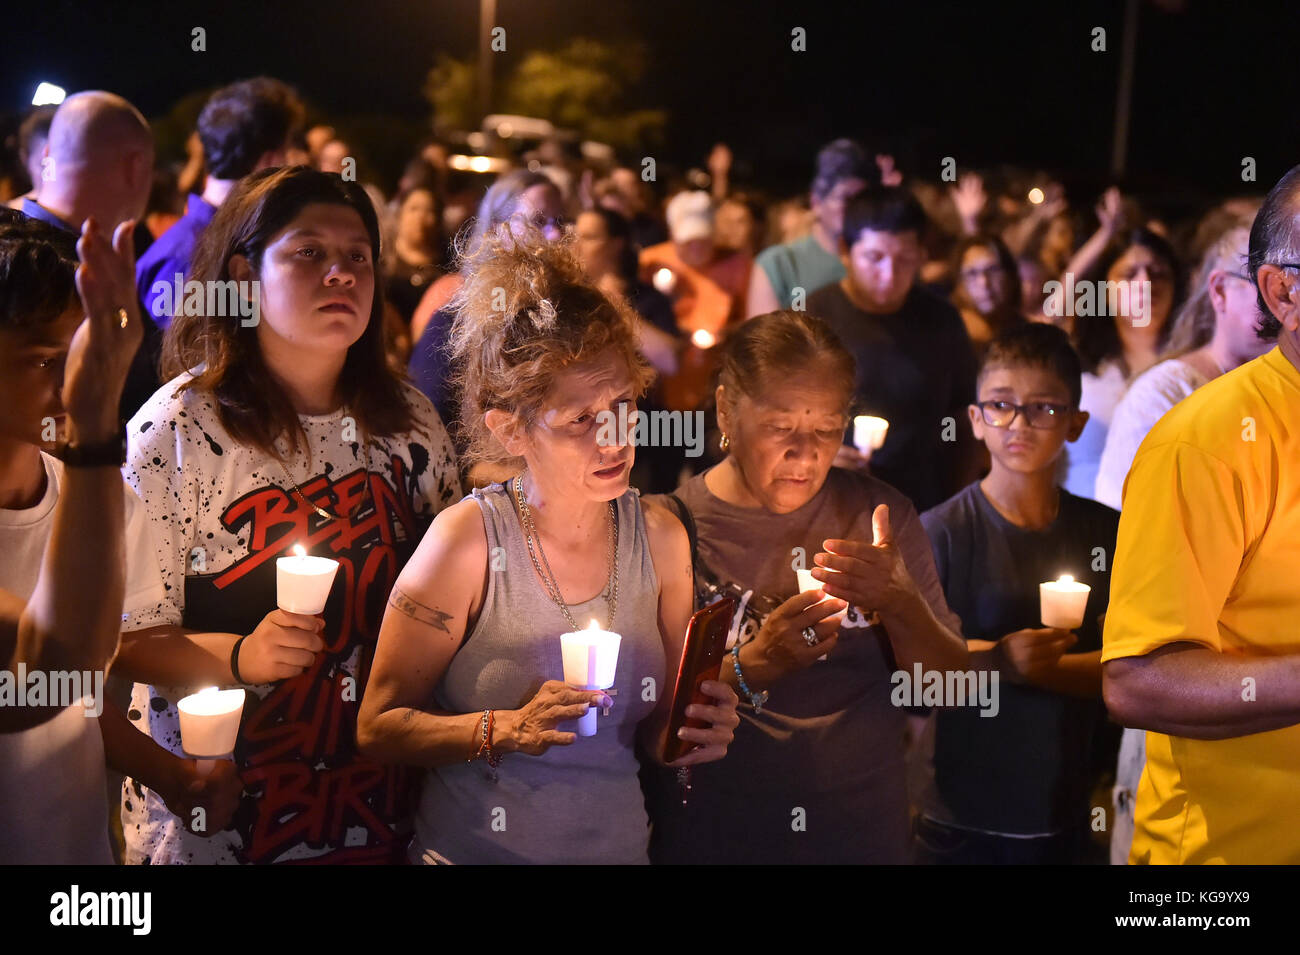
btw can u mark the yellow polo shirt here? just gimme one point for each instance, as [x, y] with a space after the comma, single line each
[1209, 553]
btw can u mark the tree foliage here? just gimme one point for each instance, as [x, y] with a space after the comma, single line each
[585, 86]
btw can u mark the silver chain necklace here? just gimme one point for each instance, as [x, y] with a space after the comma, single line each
[610, 593]
[322, 512]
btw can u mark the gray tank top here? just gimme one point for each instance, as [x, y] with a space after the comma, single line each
[573, 804]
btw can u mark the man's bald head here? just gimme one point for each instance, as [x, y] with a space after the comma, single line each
[102, 152]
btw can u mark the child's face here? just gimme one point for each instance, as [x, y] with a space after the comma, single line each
[32, 363]
[1018, 446]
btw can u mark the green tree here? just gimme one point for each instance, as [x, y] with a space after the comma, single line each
[584, 86]
[452, 89]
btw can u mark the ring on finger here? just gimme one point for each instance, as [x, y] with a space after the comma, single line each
[123, 317]
[810, 637]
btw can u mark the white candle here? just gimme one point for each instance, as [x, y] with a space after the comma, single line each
[869, 432]
[1063, 602]
[807, 581]
[302, 583]
[590, 658]
[210, 724]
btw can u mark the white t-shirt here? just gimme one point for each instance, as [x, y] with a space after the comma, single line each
[1101, 393]
[1152, 393]
[222, 513]
[52, 776]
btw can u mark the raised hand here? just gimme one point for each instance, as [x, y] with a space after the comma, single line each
[106, 341]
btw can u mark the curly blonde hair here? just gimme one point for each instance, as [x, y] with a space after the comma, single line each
[526, 312]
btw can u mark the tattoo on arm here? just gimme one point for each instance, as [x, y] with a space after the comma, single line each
[408, 605]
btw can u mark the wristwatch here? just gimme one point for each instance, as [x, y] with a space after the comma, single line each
[105, 454]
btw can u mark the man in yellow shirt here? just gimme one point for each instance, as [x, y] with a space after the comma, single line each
[1202, 638]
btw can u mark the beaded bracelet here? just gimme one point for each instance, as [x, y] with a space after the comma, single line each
[756, 700]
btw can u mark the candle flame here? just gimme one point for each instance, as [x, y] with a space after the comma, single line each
[593, 625]
[299, 550]
[208, 689]
[1065, 579]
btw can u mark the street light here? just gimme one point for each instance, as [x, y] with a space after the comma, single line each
[486, 21]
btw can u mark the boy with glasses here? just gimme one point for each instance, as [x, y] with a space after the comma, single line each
[1013, 788]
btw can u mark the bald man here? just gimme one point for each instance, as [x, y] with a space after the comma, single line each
[99, 161]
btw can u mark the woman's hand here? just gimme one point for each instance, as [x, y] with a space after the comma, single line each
[780, 643]
[217, 793]
[531, 728]
[869, 576]
[714, 739]
[284, 645]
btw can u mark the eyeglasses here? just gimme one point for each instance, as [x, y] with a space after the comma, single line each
[1040, 414]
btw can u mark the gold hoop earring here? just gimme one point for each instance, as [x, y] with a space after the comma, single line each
[725, 443]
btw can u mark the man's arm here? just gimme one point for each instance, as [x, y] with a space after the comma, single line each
[72, 619]
[760, 297]
[1183, 689]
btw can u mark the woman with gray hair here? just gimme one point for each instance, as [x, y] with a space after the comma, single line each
[815, 773]
[529, 198]
[1213, 332]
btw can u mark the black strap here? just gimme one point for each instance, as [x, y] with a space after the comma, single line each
[684, 515]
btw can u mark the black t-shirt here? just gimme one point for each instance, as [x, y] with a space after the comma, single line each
[915, 368]
[1027, 769]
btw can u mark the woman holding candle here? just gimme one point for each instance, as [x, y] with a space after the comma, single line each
[288, 431]
[816, 771]
[467, 675]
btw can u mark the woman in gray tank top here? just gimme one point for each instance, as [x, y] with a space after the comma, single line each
[468, 673]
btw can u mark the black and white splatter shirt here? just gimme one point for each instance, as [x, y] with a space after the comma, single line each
[221, 514]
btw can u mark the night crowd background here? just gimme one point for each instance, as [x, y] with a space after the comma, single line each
[707, 171]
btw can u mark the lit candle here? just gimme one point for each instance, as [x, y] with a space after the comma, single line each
[703, 339]
[590, 657]
[869, 432]
[210, 724]
[664, 280]
[1063, 602]
[302, 583]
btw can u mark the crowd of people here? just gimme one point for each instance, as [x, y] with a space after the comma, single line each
[208, 362]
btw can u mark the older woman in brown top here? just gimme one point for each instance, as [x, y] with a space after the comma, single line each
[815, 772]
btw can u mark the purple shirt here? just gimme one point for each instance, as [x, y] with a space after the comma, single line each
[171, 255]
[35, 210]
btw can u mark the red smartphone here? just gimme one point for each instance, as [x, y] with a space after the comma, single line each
[706, 644]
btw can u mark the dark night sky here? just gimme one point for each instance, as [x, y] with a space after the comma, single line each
[984, 82]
